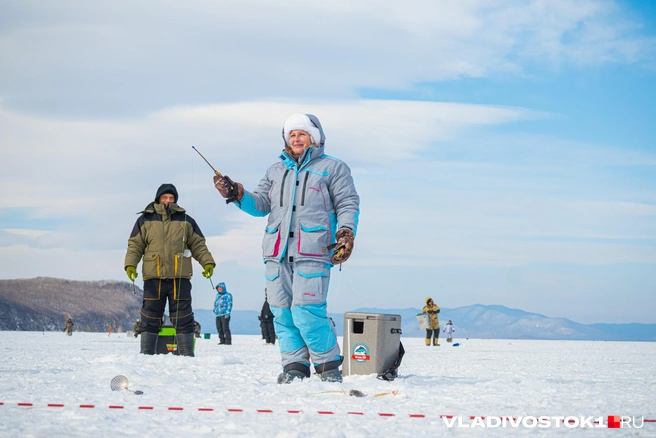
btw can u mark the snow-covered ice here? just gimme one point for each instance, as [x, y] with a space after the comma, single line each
[480, 377]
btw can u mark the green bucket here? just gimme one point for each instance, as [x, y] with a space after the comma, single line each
[207, 336]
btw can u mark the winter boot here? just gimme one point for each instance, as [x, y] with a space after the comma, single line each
[293, 371]
[289, 376]
[186, 344]
[428, 342]
[435, 343]
[149, 342]
[334, 375]
[329, 371]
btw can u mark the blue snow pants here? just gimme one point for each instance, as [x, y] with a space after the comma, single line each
[297, 297]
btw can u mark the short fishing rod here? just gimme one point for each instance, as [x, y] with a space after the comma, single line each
[232, 188]
[208, 163]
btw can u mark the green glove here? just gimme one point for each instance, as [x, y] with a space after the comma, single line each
[208, 271]
[132, 272]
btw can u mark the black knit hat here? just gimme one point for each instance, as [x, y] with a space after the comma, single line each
[166, 188]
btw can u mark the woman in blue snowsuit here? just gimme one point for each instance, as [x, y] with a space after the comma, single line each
[222, 309]
[313, 211]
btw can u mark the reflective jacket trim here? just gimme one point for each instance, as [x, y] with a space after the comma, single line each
[318, 173]
[310, 229]
[312, 275]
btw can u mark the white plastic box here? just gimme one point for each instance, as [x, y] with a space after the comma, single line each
[423, 321]
[371, 342]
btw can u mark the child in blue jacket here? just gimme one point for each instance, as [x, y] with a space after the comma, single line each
[222, 309]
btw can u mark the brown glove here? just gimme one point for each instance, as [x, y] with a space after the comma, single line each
[343, 247]
[232, 191]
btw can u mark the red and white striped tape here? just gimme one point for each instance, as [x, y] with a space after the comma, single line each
[239, 410]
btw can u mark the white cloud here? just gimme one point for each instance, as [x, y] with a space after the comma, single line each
[67, 166]
[398, 150]
[96, 59]
[97, 109]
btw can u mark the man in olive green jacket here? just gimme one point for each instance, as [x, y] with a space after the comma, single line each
[166, 237]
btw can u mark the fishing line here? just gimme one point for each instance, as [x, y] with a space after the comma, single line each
[349, 286]
[177, 295]
[331, 321]
[181, 262]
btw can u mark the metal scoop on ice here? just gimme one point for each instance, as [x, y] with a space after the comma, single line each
[121, 382]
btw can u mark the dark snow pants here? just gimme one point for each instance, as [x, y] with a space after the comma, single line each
[178, 294]
[435, 333]
[268, 331]
[223, 327]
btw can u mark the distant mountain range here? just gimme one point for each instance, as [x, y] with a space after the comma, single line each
[44, 303]
[475, 321]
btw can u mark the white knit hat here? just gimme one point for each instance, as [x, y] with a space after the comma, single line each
[302, 122]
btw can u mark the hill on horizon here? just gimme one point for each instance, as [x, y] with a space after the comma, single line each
[44, 303]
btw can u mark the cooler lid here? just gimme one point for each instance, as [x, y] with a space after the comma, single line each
[374, 316]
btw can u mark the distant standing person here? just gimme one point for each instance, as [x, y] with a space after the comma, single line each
[68, 327]
[266, 322]
[449, 329]
[433, 329]
[166, 237]
[197, 329]
[135, 328]
[222, 310]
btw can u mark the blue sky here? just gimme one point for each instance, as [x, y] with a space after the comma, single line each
[504, 152]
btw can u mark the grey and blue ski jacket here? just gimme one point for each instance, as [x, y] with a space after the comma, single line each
[307, 202]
